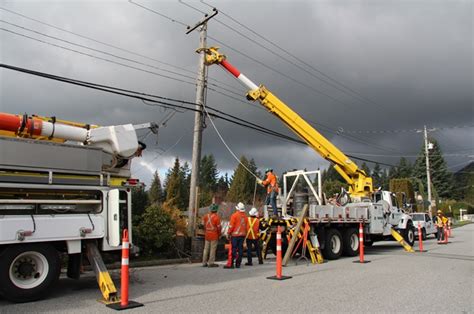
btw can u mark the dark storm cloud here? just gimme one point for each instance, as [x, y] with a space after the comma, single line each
[411, 59]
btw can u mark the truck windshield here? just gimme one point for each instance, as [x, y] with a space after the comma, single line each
[418, 217]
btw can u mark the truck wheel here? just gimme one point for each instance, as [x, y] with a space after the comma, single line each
[423, 234]
[28, 271]
[409, 234]
[350, 241]
[333, 244]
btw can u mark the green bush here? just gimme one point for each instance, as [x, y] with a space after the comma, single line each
[156, 231]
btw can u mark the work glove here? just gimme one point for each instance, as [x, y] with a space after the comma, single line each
[259, 181]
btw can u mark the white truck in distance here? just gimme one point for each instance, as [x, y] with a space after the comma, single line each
[426, 223]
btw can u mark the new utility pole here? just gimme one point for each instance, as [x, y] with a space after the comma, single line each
[428, 176]
[198, 121]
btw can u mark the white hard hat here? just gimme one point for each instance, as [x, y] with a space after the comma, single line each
[240, 207]
[253, 212]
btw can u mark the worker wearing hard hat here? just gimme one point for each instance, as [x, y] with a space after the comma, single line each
[253, 237]
[271, 183]
[236, 233]
[212, 225]
[441, 223]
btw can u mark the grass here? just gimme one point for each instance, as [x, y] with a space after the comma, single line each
[461, 223]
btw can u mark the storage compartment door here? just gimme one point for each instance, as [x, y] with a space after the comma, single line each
[113, 219]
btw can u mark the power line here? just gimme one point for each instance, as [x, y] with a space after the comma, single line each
[295, 57]
[353, 138]
[137, 95]
[105, 44]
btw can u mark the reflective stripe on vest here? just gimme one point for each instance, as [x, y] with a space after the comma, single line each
[250, 231]
[237, 231]
[209, 225]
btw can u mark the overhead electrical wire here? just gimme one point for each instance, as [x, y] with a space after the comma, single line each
[294, 56]
[139, 95]
[109, 45]
[283, 58]
[350, 137]
[125, 65]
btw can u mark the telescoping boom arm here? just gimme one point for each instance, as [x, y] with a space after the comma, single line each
[360, 185]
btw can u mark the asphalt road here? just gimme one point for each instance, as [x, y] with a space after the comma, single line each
[440, 280]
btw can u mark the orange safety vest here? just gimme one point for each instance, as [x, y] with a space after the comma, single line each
[271, 183]
[238, 224]
[212, 225]
[252, 228]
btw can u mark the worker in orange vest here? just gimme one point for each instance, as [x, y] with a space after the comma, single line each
[271, 183]
[236, 233]
[253, 237]
[212, 225]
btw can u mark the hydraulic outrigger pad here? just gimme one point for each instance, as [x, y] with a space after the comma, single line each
[106, 285]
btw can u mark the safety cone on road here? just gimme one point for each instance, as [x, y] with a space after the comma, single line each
[279, 267]
[124, 278]
[361, 246]
[229, 255]
[420, 239]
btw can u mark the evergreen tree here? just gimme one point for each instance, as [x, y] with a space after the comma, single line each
[139, 203]
[365, 168]
[464, 179]
[243, 183]
[441, 179]
[207, 179]
[185, 178]
[393, 173]
[155, 193]
[405, 169]
[384, 178]
[377, 176]
[331, 174]
[175, 184]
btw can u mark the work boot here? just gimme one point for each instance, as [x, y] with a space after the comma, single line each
[204, 265]
[248, 264]
[260, 262]
[237, 266]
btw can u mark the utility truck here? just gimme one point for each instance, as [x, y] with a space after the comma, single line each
[335, 224]
[64, 192]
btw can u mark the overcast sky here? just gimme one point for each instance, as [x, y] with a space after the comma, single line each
[410, 63]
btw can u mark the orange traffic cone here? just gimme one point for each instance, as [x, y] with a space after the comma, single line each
[229, 255]
[124, 278]
[279, 267]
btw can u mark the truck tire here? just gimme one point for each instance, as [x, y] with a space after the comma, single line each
[423, 234]
[350, 241]
[333, 244]
[408, 234]
[28, 271]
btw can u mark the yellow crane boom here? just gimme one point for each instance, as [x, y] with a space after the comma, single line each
[360, 184]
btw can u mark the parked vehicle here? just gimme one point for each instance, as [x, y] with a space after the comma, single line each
[428, 226]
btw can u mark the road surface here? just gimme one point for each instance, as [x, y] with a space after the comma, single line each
[440, 280]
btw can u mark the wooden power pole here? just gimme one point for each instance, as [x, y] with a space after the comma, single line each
[198, 121]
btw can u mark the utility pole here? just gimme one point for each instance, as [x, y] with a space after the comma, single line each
[198, 121]
[428, 176]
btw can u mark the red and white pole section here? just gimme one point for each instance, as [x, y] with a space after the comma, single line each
[279, 257]
[38, 127]
[233, 70]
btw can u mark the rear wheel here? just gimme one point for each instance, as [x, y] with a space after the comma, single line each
[350, 242]
[408, 234]
[333, 244]
[28, 271]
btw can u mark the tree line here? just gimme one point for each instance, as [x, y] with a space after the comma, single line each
[163, 204]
